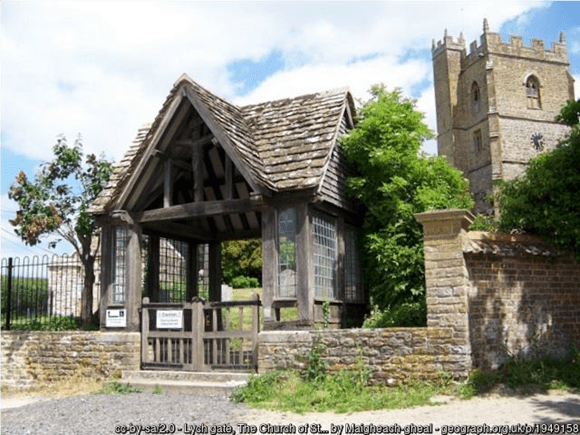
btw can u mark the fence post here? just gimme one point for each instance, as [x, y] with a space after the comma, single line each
[145, 331]
[197, 330]
[255, 329]
[9, 295]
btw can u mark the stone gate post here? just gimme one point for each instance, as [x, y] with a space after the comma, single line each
[446, 274]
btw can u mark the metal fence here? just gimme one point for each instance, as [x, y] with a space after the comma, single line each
[36, 291]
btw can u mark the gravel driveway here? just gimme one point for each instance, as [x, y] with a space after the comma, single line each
[182, 413]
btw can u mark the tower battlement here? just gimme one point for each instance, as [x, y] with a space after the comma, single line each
[491, 43]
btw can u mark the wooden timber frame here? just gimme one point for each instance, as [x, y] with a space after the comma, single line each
[207, 171]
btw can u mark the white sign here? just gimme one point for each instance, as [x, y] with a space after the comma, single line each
[116, 319]
[169, 319]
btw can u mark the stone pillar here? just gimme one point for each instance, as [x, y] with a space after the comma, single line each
[446, 273]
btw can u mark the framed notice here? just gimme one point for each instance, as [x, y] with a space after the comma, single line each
[172, 319]
[116, 318]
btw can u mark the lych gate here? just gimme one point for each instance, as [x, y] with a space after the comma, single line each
[206, 171]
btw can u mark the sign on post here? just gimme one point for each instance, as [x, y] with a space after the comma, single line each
[169, 319]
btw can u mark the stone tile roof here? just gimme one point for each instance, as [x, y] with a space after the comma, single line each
[285, 144]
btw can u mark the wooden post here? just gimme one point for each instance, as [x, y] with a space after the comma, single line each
[304, 272]
[229, 169]
[133, 285]
[153, 269]
[145, 332]
[167, 185]
[107, 248]
[340, 281]
[197, 329]
[255, 329]
[192, 276]
[269, 261]
[197, 161]
[215, 272]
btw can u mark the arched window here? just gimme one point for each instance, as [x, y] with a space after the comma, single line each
[533, 92]
[475, 98]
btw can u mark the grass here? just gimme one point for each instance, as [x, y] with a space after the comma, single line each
[349, 391]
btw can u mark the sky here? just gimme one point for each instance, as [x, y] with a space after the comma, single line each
[101, 69]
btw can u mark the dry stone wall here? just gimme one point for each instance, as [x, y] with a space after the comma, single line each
[34, 358]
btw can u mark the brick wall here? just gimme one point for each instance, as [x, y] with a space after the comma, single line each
[524, 298]
[31, 358]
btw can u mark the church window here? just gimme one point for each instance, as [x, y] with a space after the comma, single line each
[477, 141]
[533, 92]
[475, 98]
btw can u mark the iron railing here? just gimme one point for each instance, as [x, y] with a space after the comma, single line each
[38, 290]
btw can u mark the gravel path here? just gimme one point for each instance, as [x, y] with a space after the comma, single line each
[109, 414]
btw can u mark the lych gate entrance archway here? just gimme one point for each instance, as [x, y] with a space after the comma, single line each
[207, 171]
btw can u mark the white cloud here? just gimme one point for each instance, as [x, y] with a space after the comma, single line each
[104, 68]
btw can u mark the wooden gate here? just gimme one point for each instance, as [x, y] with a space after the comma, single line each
[200, 335]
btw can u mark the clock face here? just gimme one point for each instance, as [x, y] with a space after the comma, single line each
[537, 140]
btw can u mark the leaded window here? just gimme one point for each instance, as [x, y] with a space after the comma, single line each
[325, 255]
[173, 260]
[352, 277]
[119, 268]
[287, 253]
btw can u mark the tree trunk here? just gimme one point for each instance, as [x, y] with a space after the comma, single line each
[87, 295]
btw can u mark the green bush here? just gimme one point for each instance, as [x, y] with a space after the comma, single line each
[29, 296]
[245, 282]
[405, 315]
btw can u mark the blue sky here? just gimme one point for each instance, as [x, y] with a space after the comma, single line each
[103, 68]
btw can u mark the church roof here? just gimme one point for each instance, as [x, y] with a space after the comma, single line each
[279, 146]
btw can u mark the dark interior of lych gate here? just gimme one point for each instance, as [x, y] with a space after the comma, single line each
[194, 179]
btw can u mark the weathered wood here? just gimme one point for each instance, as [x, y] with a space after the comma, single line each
[229, 169]
[146, 167]
[106, 273]
[192, 268]
[304, 270]
[197, 162]
[144, 335]
[223, 139]
[167, 185]
[215, 271]
[269, 260]
[153, 263]
[133, 282]
[199, 209]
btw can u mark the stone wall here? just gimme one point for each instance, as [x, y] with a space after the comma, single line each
[34, 358]
[390, 353]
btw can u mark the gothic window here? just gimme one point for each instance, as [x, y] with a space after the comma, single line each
[533, 92]
[475, 98]
[477, 141]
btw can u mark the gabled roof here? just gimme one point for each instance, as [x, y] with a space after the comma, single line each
[279, 146]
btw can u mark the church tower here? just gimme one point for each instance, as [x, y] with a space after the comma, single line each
[496, 105]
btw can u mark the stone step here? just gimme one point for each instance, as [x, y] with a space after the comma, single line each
[203, 383]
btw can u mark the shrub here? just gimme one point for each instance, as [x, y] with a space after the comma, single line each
[245, 282]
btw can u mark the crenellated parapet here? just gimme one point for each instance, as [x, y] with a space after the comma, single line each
[491, 43]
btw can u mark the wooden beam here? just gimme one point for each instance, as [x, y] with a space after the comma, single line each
[197, 162]
[180, 230]
[229, 178]
[200, 209]
[167, 185]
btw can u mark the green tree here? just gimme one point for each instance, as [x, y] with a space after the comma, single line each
[545, 200]
[394, 181]
[56, 202]
[241, 258]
